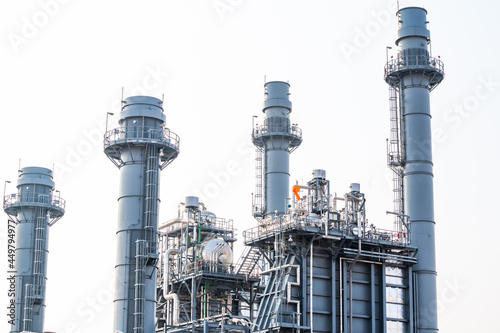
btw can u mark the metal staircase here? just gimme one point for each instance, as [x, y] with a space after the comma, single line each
[275, 292]
[248, 260]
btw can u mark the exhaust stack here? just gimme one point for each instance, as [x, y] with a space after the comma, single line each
[275, 140]
[411, 77]
[34, 208]
[141, 147]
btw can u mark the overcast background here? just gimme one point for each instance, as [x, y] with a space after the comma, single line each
[64, 64]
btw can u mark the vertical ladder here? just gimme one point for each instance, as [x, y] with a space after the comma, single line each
[140, 285]
[151, 199]
[395, 158]
[28, 308]
[259, 185]
[39, 256]
[146, 249]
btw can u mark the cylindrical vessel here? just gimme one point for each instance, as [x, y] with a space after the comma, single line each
[138, 147]
[414, 73]
[277, 138]
[33, 208]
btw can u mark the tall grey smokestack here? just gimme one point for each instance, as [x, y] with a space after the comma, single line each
[141, 147]
[276, 139]
[34, 209]
[412, 75]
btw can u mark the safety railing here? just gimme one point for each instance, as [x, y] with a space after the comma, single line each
[123, 134]
[413, 62]
[34, 198]
[285, 318]
[370, 233]
[293, 130]
[218, 223]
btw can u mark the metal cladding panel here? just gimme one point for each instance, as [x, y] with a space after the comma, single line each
[424, 238]
[131, 191]
[142, 106]
[124, 278]
[277, 95]
[418, 190]
[36, 175]
[277, 112]
[417, 100]
[427, 313]
[277, 181]
[418, 142]
[412, 23]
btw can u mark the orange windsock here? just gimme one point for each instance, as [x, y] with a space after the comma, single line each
[296, 190]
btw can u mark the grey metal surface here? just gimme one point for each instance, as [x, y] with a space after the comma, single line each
[277, 138]
[141, 147]
[34, 208]
[326, 270]
[413, 74]
[199, 287]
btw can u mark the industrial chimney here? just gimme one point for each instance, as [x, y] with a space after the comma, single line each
[34, 208]
[411, 76]
[140, 148]
[275, 140]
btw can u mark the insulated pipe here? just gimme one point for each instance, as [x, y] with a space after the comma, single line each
[413, 75]
[166, 265]
[177, 308]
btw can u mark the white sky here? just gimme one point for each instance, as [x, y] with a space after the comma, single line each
[61, 73]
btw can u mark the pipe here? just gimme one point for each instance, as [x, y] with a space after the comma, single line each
[341, 296]
[311, 287]
[195, 232]
[177, 308]
[350, 282]
[277, 268]
[169, 223]
[289, 287]
[166, 275]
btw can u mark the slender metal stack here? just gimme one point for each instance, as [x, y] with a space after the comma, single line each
[141, 147]
[34, 208]
[276, 139]
[412, 75]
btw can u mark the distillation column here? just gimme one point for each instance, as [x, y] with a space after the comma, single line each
[141, 147]
[413, 74]
[34, 208]
[277, 138]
